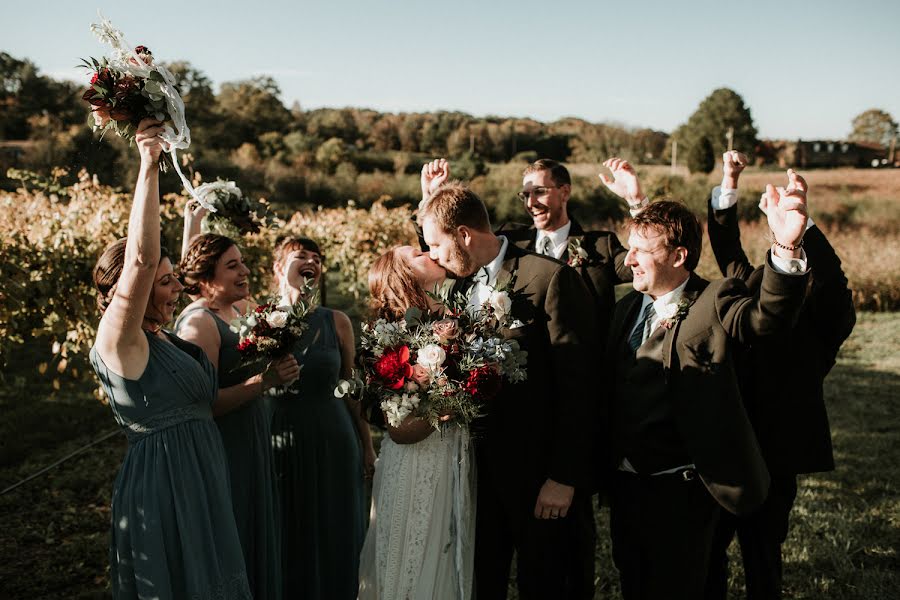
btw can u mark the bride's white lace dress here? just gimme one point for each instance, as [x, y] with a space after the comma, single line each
[420, 543]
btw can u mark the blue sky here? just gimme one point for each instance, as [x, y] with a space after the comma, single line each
[804, 68]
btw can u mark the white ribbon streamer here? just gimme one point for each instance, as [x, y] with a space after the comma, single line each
[176, 135]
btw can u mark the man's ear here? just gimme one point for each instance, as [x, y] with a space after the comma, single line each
[681, 255]
[565, 192]
[464, 236]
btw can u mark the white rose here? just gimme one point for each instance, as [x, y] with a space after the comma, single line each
[251, 321]
[431, 356]
[501, 303]
[277, 319]
[667, 311]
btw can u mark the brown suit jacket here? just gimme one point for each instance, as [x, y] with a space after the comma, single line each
[544, 427]
[701, 380]
[602, 271]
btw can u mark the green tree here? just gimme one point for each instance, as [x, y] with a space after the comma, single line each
[721, 111]
[701, 158]
[874, 125]
[331, 154]
[249, 109]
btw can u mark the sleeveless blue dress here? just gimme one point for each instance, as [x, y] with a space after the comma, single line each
[318, 461]
[173, 532]
[246, 435]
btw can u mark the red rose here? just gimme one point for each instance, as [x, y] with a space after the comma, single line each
[393, 367]
[483, 383]
[95, 78]
[246, 344]
[142, 50]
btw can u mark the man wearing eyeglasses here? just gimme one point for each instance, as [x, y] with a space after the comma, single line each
[546, 188]
[597, 255]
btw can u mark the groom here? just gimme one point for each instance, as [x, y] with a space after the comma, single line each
[534, 450]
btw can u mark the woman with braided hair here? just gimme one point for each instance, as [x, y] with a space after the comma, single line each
[173, 531]
[214, 273]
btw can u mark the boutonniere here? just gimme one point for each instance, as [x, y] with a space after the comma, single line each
[577, 254]
[672, 313]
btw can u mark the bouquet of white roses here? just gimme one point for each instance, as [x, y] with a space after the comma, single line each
[438, 366]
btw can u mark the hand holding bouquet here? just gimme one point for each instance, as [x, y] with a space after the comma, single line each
[234, 213]
[128, 87]
[437, 367]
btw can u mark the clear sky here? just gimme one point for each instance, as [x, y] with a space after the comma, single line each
[805, 69]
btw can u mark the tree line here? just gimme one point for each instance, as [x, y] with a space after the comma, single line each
[245, 132]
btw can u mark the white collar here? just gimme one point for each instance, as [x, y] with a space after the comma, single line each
[672, 297]
[558, 237]
[488, 273]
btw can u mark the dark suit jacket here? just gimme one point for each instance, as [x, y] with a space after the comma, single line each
[544, 427]
[698, 359]
[603, 269]
[789, 413]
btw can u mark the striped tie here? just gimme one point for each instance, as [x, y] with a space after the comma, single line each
[642, 330]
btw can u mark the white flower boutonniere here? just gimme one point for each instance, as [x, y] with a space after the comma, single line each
[577, 254]
[672, 313]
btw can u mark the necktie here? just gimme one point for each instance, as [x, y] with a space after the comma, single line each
[546, 246]
[642, 330]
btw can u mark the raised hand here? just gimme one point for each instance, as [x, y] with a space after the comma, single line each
[624, 182]
[149, 144]
[733, 163]
[434, 173]
[787, 213]
[194, 211]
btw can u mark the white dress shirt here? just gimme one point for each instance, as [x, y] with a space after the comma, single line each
[559, 239]
[486, 277]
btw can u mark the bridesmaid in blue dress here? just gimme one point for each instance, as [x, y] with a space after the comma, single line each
[323, 447]
[173, 533]
[215, 274]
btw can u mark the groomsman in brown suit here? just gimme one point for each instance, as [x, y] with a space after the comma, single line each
[792, 424]
[534, 448]
[682, 444]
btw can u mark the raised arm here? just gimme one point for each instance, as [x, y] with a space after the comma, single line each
[722, 222]
[782, 290]
[120, 339]
[625, 184]
[434, 174]
[193, 218]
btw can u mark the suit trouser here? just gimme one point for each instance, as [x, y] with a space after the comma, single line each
[661, 528]
[760, 536]
[554, 557]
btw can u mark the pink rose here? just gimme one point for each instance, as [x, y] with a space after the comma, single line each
[421, 375]
[445, 330]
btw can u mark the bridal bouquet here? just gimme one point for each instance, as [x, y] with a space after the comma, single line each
[438, 366]
[234, 213]
[272, 330]
[129, 86]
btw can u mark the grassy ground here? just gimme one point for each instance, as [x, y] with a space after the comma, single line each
[843, 542]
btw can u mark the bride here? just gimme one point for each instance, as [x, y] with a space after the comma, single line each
[420, 539]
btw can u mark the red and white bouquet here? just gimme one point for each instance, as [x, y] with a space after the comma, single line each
[128, 86]
[439, 365]
[272, 330]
